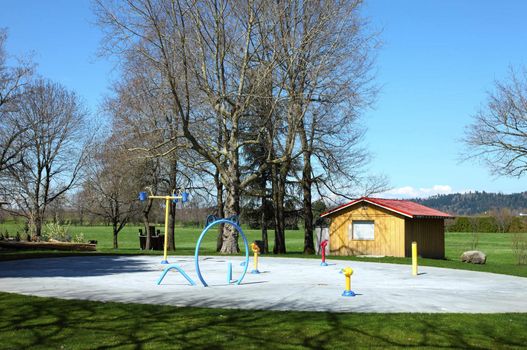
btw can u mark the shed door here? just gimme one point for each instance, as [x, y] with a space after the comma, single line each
[362, 230]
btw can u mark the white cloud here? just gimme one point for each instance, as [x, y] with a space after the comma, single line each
[411, 192]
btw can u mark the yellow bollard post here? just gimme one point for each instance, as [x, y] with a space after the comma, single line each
[256, 250]
[348, 271]
[167, 213]
[414, 258]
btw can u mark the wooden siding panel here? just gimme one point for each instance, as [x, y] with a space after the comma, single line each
[389, 232]
[429, 235]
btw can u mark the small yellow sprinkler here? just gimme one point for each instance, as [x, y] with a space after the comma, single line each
[256, 251]
[348, 271]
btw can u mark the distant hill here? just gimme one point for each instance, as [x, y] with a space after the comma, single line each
[474, 203]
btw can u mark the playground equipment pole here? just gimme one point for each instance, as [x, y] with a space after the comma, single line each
[348, 271]
[183, 196]
[165, 245]
[229, 272]
[323, 249]
[414, 258]
[255, 250]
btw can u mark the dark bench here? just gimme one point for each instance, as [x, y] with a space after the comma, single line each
[156, 239]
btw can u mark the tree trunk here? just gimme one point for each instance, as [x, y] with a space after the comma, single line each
[172, 211]
[265, 238]
[146, 223]
[232, 207]
[115, 233]
[307, 181]
[280, 225]
[36, 221]
[172, 226]
[263, 218]
[309, 246]
[278, 199]
[81, 217]
[219, 209]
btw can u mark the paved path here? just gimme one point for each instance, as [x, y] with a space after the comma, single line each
[284, 284]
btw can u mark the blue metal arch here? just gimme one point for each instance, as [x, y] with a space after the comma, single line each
[181, 271]
[205, 230]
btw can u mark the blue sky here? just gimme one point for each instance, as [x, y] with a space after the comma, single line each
[438, 60]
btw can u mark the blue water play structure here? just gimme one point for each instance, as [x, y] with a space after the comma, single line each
[211, 222]
[180, 270]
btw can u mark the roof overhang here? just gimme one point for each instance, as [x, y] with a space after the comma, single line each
[360, 200]
[380, 205]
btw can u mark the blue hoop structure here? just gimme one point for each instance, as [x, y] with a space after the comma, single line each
[213, 221]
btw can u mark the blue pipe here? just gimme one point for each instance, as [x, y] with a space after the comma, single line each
[229, 273]
[174, 266]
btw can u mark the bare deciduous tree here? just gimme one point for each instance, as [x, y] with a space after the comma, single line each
[519, 247]
[142, 118]
[332, 85]
[55, 153]
[151, 132]
[216, 63]
[498, 134]
[111, 186]
[503, 217]
[203, 51]
[12, 81]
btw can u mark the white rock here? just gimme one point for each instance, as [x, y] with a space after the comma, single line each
[474, 257]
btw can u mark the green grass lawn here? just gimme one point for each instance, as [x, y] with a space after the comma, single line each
[186, 238]
[47, 323]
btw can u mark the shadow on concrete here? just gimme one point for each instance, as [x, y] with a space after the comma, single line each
[73, 266]
[256, 282]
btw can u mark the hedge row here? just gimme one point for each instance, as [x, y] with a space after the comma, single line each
[486, 224]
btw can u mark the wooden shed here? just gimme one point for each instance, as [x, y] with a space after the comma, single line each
[375, 226]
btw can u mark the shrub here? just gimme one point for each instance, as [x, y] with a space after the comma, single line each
[474, 240]
[79, 238]
[460, 224]
[473, 224]
[487, 224]
[57, 232]
[518, 224]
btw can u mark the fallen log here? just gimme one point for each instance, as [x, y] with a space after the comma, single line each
[48, 245]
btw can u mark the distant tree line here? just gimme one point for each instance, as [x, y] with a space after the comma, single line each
[494, 224]
[476, 203]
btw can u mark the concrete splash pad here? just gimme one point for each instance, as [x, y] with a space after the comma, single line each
[283, 284]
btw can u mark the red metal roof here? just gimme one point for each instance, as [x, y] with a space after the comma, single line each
[406, 208]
